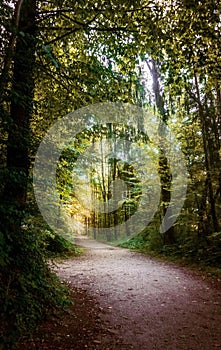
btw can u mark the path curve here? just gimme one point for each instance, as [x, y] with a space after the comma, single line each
[149, 305]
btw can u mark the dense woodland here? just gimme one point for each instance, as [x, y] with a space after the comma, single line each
[59, 56]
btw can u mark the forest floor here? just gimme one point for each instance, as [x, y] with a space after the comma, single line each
[127, 300]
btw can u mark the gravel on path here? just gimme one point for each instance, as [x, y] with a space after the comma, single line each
[147, 304]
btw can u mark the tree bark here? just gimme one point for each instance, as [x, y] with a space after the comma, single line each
[205, 136]
[15, 191]
[8, 59]
[164, 169]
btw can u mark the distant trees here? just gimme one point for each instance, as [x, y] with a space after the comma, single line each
[110, 187]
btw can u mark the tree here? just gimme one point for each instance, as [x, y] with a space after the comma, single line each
[164, 167]
[191, 75]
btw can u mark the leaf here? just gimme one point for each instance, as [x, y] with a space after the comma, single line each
[48, 51]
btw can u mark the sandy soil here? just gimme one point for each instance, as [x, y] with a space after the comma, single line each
[144, 303]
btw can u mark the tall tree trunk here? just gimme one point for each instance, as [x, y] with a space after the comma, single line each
[9, 56]
[164, 169]
[15, 192]
[205, 136]
[114, 177]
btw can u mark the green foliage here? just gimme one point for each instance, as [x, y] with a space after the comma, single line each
[137, 243]
[189, 250]
[28, 288]
[51, 243]
[56, 245]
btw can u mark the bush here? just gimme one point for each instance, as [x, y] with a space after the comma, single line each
[56, 245]
[28, 288]
[134, 243]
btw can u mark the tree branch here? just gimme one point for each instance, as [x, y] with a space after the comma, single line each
[11, 46]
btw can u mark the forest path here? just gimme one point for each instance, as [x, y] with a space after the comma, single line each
[146, 303]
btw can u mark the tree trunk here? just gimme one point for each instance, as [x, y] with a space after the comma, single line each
[164, 169]
[15, 192]
[9, 56]
[205, 136]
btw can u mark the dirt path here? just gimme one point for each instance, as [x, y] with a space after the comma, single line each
[147, 304]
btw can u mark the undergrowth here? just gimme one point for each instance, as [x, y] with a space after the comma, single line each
[29, 290]
[205, 254]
